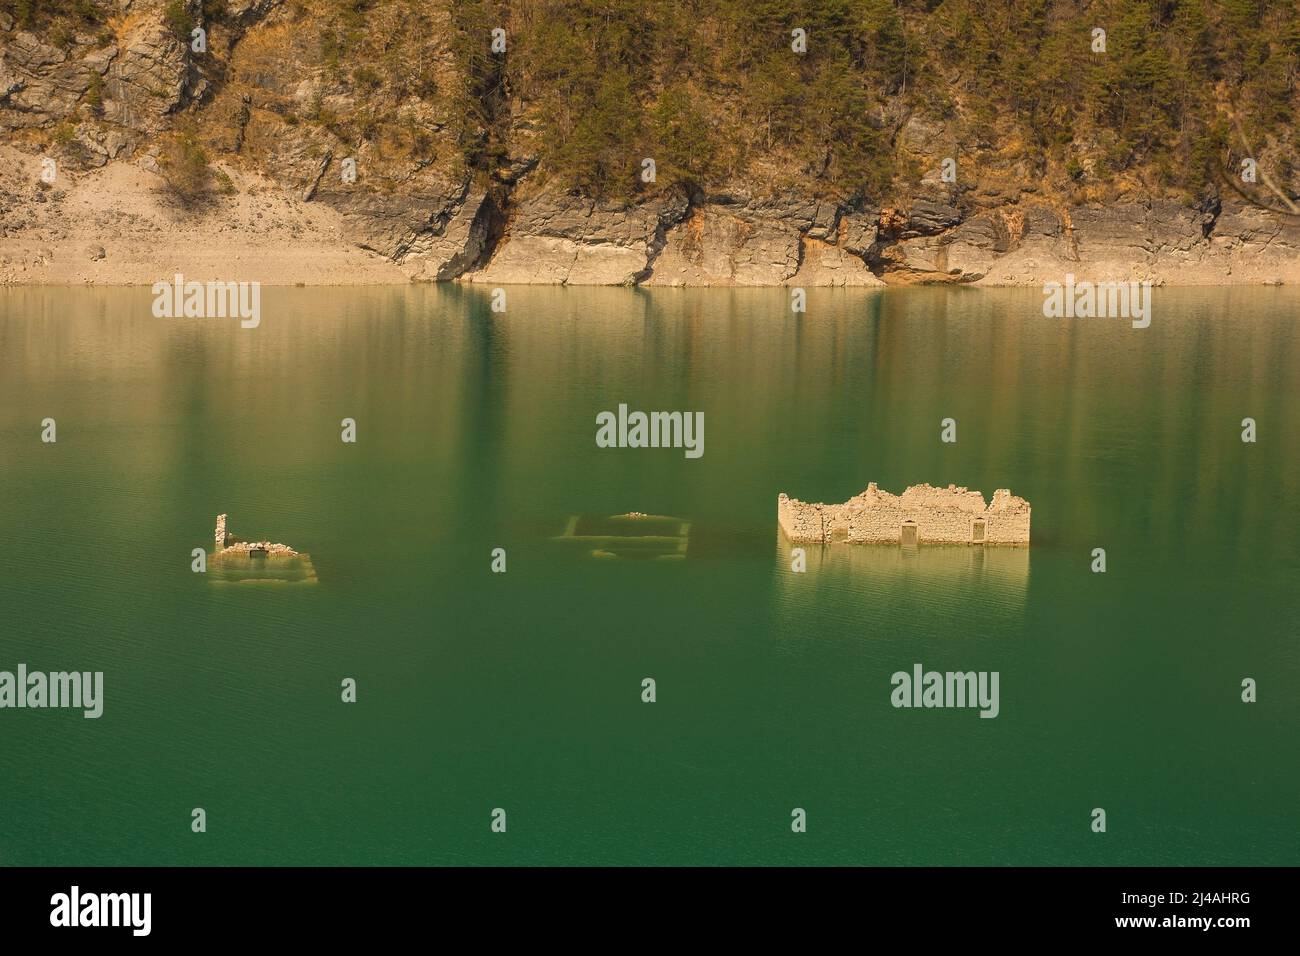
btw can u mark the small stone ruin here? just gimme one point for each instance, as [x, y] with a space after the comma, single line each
[229, 544]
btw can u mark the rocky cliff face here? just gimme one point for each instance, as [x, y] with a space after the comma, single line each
[558, 238]
[356, 132]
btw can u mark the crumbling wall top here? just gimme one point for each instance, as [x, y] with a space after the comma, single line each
[926, 496]
[1004, 500]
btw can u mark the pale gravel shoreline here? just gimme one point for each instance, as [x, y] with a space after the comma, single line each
[259, 234]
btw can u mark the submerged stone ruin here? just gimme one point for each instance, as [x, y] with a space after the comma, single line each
[228, 544]
[631, 535]
[922, 514]
[235, 560]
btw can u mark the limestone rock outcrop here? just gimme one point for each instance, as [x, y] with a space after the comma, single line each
[744, 241]
[823, 264]
[149, 79]
[39, 82]
[565, 239]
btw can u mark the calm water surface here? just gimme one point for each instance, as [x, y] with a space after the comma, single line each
[522, 691]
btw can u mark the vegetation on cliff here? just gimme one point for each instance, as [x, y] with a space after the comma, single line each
[1177, 91]
[713, 91]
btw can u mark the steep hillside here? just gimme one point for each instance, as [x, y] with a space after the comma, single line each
[817, 141]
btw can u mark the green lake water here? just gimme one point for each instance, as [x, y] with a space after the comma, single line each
[522, 690]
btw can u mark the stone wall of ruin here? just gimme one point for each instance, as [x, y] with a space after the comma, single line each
[941, 515]
[224, 546]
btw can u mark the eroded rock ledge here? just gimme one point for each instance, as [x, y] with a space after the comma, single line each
[791, 240]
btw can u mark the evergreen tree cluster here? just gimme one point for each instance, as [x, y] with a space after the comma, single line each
[713, 91]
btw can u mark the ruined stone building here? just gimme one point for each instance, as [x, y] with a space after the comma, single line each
[920, 515]
[236, 561]
[227, 544]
